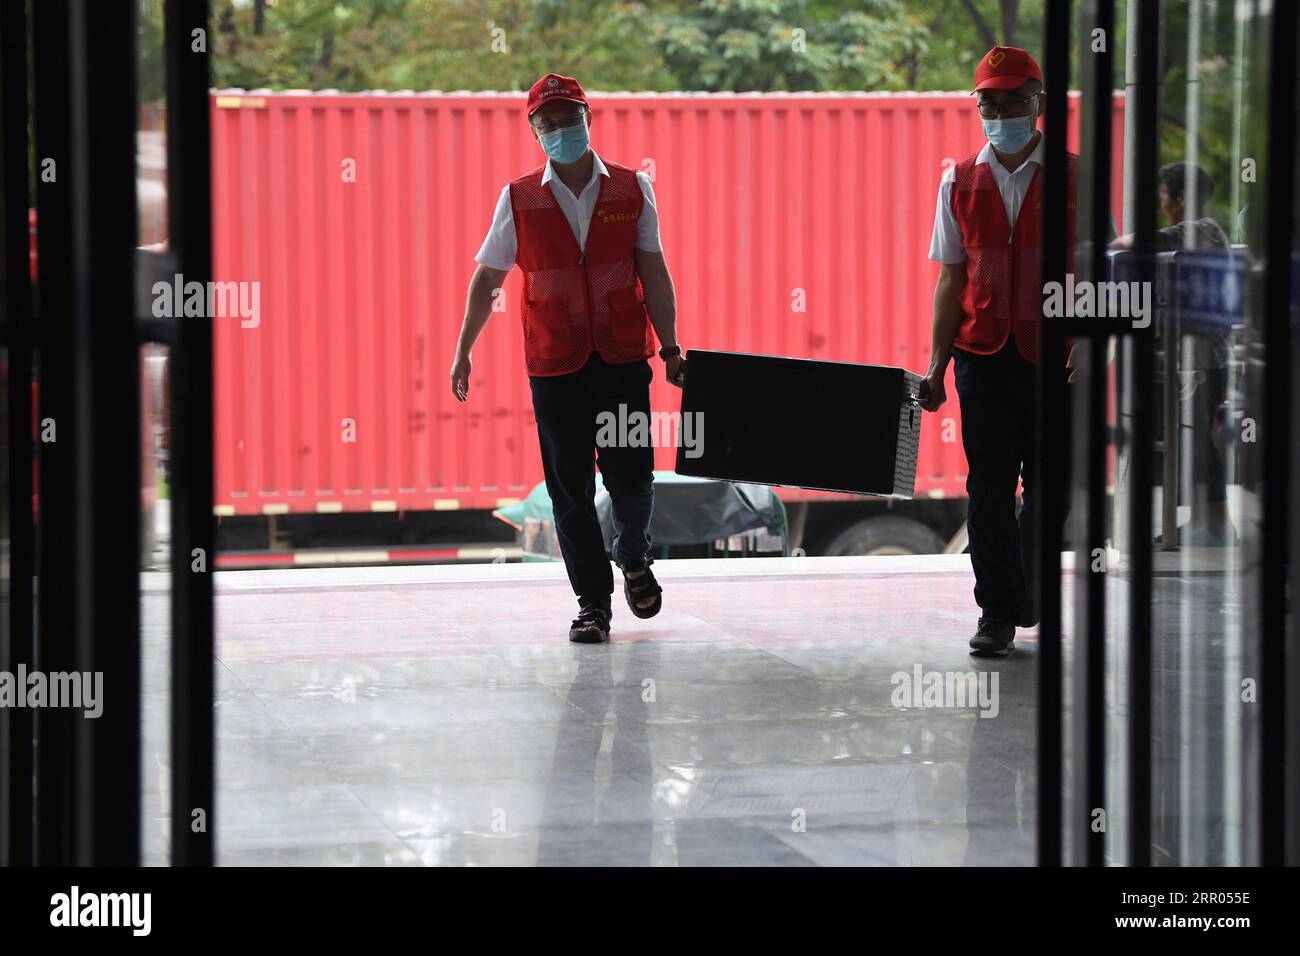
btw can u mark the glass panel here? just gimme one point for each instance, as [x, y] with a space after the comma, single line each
[1205, 491]
[1204, 567]
[6, 655]
[155, 603]
[151, 132]
[155, 582]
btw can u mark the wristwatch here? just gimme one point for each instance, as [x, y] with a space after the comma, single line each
[670, 351]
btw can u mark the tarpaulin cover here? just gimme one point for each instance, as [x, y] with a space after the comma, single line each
[687, 511]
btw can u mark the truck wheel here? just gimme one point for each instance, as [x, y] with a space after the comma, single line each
[886, 535]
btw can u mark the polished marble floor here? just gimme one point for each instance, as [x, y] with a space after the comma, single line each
[440, 716]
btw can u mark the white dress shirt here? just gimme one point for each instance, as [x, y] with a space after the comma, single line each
[946, 241]
[502, 244]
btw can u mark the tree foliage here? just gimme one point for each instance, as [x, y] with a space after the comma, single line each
[506, 44]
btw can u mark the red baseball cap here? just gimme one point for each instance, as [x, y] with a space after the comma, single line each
[554, 86]
[1005, 68]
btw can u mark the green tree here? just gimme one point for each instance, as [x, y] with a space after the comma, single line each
[506, 44]
[785, 44]
[430, 44]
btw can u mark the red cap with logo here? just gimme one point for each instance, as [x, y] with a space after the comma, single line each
[1005, 68]
[554, 86]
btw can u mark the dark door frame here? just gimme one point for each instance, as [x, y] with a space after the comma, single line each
[73, 793]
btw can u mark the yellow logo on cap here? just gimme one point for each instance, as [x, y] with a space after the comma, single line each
[996, 57]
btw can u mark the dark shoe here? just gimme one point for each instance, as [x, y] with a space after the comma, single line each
[641, 587]
[591, 626]
[993, 638]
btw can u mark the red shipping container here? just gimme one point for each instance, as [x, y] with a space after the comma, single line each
[794, 224]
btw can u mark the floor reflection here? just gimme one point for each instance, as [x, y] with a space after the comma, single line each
[440, 717]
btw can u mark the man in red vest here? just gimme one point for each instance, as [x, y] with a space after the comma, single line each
[585, 233]
[987, 309]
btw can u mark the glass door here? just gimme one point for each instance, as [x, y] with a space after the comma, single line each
[1175, 635]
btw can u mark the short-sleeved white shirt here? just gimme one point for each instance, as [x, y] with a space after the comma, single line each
[946, 241]
[502, 244]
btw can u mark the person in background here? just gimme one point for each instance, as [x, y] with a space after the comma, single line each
[585, 233]
[1204, 350]
[987, 310]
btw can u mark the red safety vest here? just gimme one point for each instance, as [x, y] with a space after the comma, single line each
[1003, 292]
[573, 302]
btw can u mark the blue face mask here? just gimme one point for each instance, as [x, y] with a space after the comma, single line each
[1010, 135]
[566, 145]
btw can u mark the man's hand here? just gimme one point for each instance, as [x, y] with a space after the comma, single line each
[947, 319]
[932, 393]
[460, 369]
[1069, 363]
[483, 288]
[675, 370]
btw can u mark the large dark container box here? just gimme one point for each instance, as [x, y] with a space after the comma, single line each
[830, 426]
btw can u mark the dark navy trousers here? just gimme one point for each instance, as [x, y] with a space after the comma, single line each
[997, 399]
[567, 408]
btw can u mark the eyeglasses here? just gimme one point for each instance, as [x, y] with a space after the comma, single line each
[1012, 106]
[559, 122]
